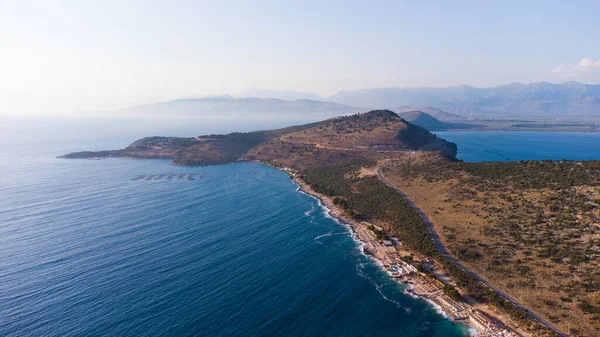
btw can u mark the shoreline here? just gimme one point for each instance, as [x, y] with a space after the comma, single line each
[477, 322]
[336, 214]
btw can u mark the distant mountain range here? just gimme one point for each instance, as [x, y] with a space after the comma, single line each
[227, 106]
[569, 99]
[286, 95]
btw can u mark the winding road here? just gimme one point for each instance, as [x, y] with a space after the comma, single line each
[440, 247]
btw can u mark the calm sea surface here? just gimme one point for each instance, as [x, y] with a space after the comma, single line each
[477, 146]
[87, 251]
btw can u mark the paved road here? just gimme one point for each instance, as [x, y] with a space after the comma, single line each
[444, 251]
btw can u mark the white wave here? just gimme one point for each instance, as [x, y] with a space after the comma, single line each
[322, 236]
[438, 309]
[327, 214]
[327, 235]
[473, 331]
[359, 271]
[309, 212]
[378, 287]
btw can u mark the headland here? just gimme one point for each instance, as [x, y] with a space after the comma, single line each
[338, 161]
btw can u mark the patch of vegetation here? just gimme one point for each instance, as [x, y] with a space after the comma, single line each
[451, 292]
[373, 200]
[532, 229]
[518, 174]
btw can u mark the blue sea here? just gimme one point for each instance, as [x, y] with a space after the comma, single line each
[478, 146]
[89, 249]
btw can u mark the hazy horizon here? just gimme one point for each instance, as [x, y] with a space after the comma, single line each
[58, 58]
[246, 94]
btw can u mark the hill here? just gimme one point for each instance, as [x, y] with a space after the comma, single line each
[438, 114]
[376, 134]
[372, 134]
[433, 124]
[423, 120]
[569, 99]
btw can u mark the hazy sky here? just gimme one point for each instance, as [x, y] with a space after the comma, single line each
[59, 56]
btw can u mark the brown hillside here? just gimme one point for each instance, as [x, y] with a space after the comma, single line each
[369, 134]
[375, 134]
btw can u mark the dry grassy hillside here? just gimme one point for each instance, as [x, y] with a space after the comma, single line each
[376, 134]
[531, 228]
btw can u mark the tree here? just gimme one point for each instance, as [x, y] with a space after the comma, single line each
[451, 292]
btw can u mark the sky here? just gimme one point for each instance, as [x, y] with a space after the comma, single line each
[61, 56]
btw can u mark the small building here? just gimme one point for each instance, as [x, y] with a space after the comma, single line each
[388, 243]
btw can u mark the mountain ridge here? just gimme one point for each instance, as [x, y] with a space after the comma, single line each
[541, 99]
[217, 105]
[288, 95]
[533, 100]
[229, 106]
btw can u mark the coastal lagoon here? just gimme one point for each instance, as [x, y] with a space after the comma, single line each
[479, 146]
[88, 250]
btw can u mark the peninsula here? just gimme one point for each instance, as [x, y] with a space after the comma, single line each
[380, 173]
